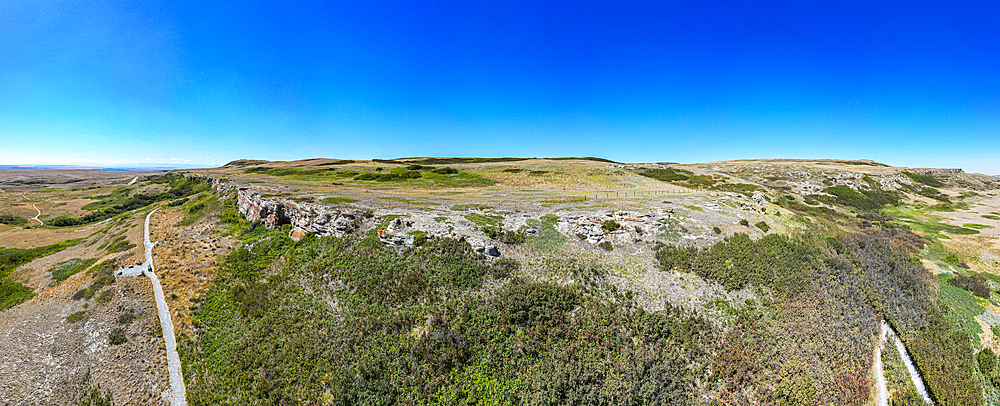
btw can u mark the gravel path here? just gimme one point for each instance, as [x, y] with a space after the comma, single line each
[39, 214]
[918, 382]
[882, 398]
[173, 360]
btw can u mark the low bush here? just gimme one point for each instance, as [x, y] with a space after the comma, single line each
[445, 171]
[75, 317]
[505, 236]
[928, 180]
[610, 226]
[12, 220]
[665, 174]
[105, 296]
[975, 284]
[774, 261]
[117, 337]
[763, 226]
[987, 361]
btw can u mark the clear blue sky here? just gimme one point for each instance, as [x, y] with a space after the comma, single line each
[906, 83]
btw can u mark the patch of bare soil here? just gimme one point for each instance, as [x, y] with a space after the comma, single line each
[44, 357]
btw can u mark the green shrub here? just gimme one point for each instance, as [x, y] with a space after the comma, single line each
[605, 245]
[744, 223]
[105, 296]
[486, 220]
[12, 220]
[717, 230]
[774, 261]
[928, 180]
[503, 235]
[976, 284]
[178, 202]
[64, 270]
[763, 226]
[610, 226]
[528, 303]
[666, 174]
[127, 318]
[75, 317]
[445, 171]
[338, 200]
[117, 337]
[987, 361]
[865, 200]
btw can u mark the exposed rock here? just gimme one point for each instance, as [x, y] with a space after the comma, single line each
[492, 251]
[307, 217]
[390, 238]
[297, 233]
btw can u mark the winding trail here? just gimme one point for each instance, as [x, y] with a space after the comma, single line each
[918, 382]
[173, 360]
[35, 205]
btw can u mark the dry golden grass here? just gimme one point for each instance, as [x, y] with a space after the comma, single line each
[185, 260]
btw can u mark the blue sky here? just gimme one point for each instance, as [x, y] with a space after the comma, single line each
[134, 82]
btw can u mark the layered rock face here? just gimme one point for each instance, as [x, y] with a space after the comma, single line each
[303, 217]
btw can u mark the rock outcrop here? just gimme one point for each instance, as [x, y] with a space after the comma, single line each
[303, 217]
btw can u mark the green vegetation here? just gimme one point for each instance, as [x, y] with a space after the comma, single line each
[610, 226]
[206, 203]
[762, 226]
[75, 317]
[104, 278]
[121, 202]
[744, 222]
[389, 177]
[337, 200]
[337, 162]
[485, 220]
[976, 226]
[416, 327]
[462, 207]
[990, 217]
[865, 200]
[127, 318]
[846, 284]
[962, 307]
[547, 237]
[117, 336]
[13, 293]
[928, 180]
[71, 267]
[774, 261]
[975, 284]
[12, 220]
[445, 177]
[505, 236]
[105, 296]
[717, 230]
[449, 161]
[665, 174]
